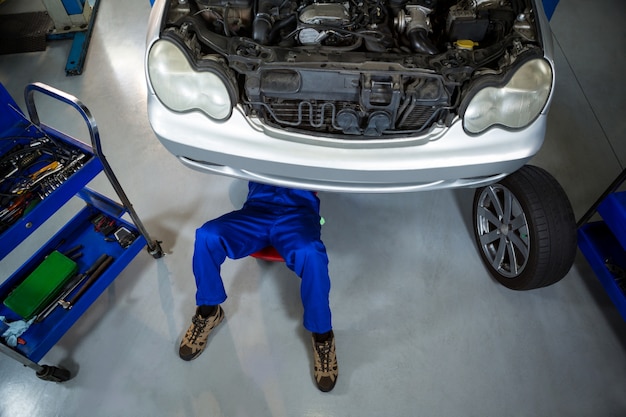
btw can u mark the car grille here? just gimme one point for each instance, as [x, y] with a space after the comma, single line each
[309, 115]
[321, 116]
[418, 118]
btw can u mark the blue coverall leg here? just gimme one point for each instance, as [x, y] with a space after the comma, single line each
[234, 235]
[280, 218]
[300, 245]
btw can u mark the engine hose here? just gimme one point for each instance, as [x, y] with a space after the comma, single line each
[261, 28]
[263, 21]
[216, 42]
[421, 43]
[280, 25]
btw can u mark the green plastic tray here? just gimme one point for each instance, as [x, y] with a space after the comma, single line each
[41, 286]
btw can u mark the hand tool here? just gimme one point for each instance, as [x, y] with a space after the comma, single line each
[74, 253]
[108, 260]
[71, 285]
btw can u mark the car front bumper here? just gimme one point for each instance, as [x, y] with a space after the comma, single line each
[245, 149]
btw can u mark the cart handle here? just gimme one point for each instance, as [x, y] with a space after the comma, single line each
[29, 92]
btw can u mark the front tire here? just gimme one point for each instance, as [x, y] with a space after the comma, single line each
[525, 229]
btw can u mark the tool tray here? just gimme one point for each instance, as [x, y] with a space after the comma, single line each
[41, 336]
[26, 132]
[81, 234]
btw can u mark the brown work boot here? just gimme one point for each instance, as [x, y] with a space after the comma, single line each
[195, 339]
[325, 358]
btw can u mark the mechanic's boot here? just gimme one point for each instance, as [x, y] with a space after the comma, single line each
[195, 339]
[325, 361]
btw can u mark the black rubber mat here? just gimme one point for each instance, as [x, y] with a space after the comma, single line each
[24, 32]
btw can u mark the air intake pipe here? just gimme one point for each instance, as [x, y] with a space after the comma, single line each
[420, 42]
[263, 20]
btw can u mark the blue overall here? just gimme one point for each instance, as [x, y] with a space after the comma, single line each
[284, 218]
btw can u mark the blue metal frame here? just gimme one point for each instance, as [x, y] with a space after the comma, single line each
[73, 6]
[42, 336]
[598, 243]
[604, 242]
[80, 44]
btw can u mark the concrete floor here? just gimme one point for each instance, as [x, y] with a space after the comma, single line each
[421, 328]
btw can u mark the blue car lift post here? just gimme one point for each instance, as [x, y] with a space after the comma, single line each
[73, 19]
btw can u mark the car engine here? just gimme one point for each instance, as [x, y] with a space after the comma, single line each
[348, 68]
[424, 26]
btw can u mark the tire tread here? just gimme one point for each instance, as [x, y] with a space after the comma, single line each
[553, 228]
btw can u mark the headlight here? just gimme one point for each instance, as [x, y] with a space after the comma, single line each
[183, 88]
[515, 104]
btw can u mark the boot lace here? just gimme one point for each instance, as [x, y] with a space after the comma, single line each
[198, 327]
[325, 355]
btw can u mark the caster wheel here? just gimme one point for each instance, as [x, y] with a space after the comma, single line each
[156, 251]
[54, 374]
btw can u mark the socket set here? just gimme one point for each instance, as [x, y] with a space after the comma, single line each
[31, 168]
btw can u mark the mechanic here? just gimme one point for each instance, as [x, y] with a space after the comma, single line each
[288, 220]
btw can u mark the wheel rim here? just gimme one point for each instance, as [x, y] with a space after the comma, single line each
[502, 230]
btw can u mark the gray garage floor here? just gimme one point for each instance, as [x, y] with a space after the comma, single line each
[421, 328]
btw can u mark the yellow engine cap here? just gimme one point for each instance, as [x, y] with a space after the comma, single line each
[465, 44]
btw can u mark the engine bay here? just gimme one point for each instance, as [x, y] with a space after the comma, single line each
[349, 68]
[422, 26]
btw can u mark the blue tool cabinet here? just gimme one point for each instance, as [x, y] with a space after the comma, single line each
[604, 242]
[42, 335]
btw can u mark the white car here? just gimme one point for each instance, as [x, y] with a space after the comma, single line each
[365, 96]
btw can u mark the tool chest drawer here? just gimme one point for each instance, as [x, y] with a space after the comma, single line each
[89, 244]
[32, 207]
